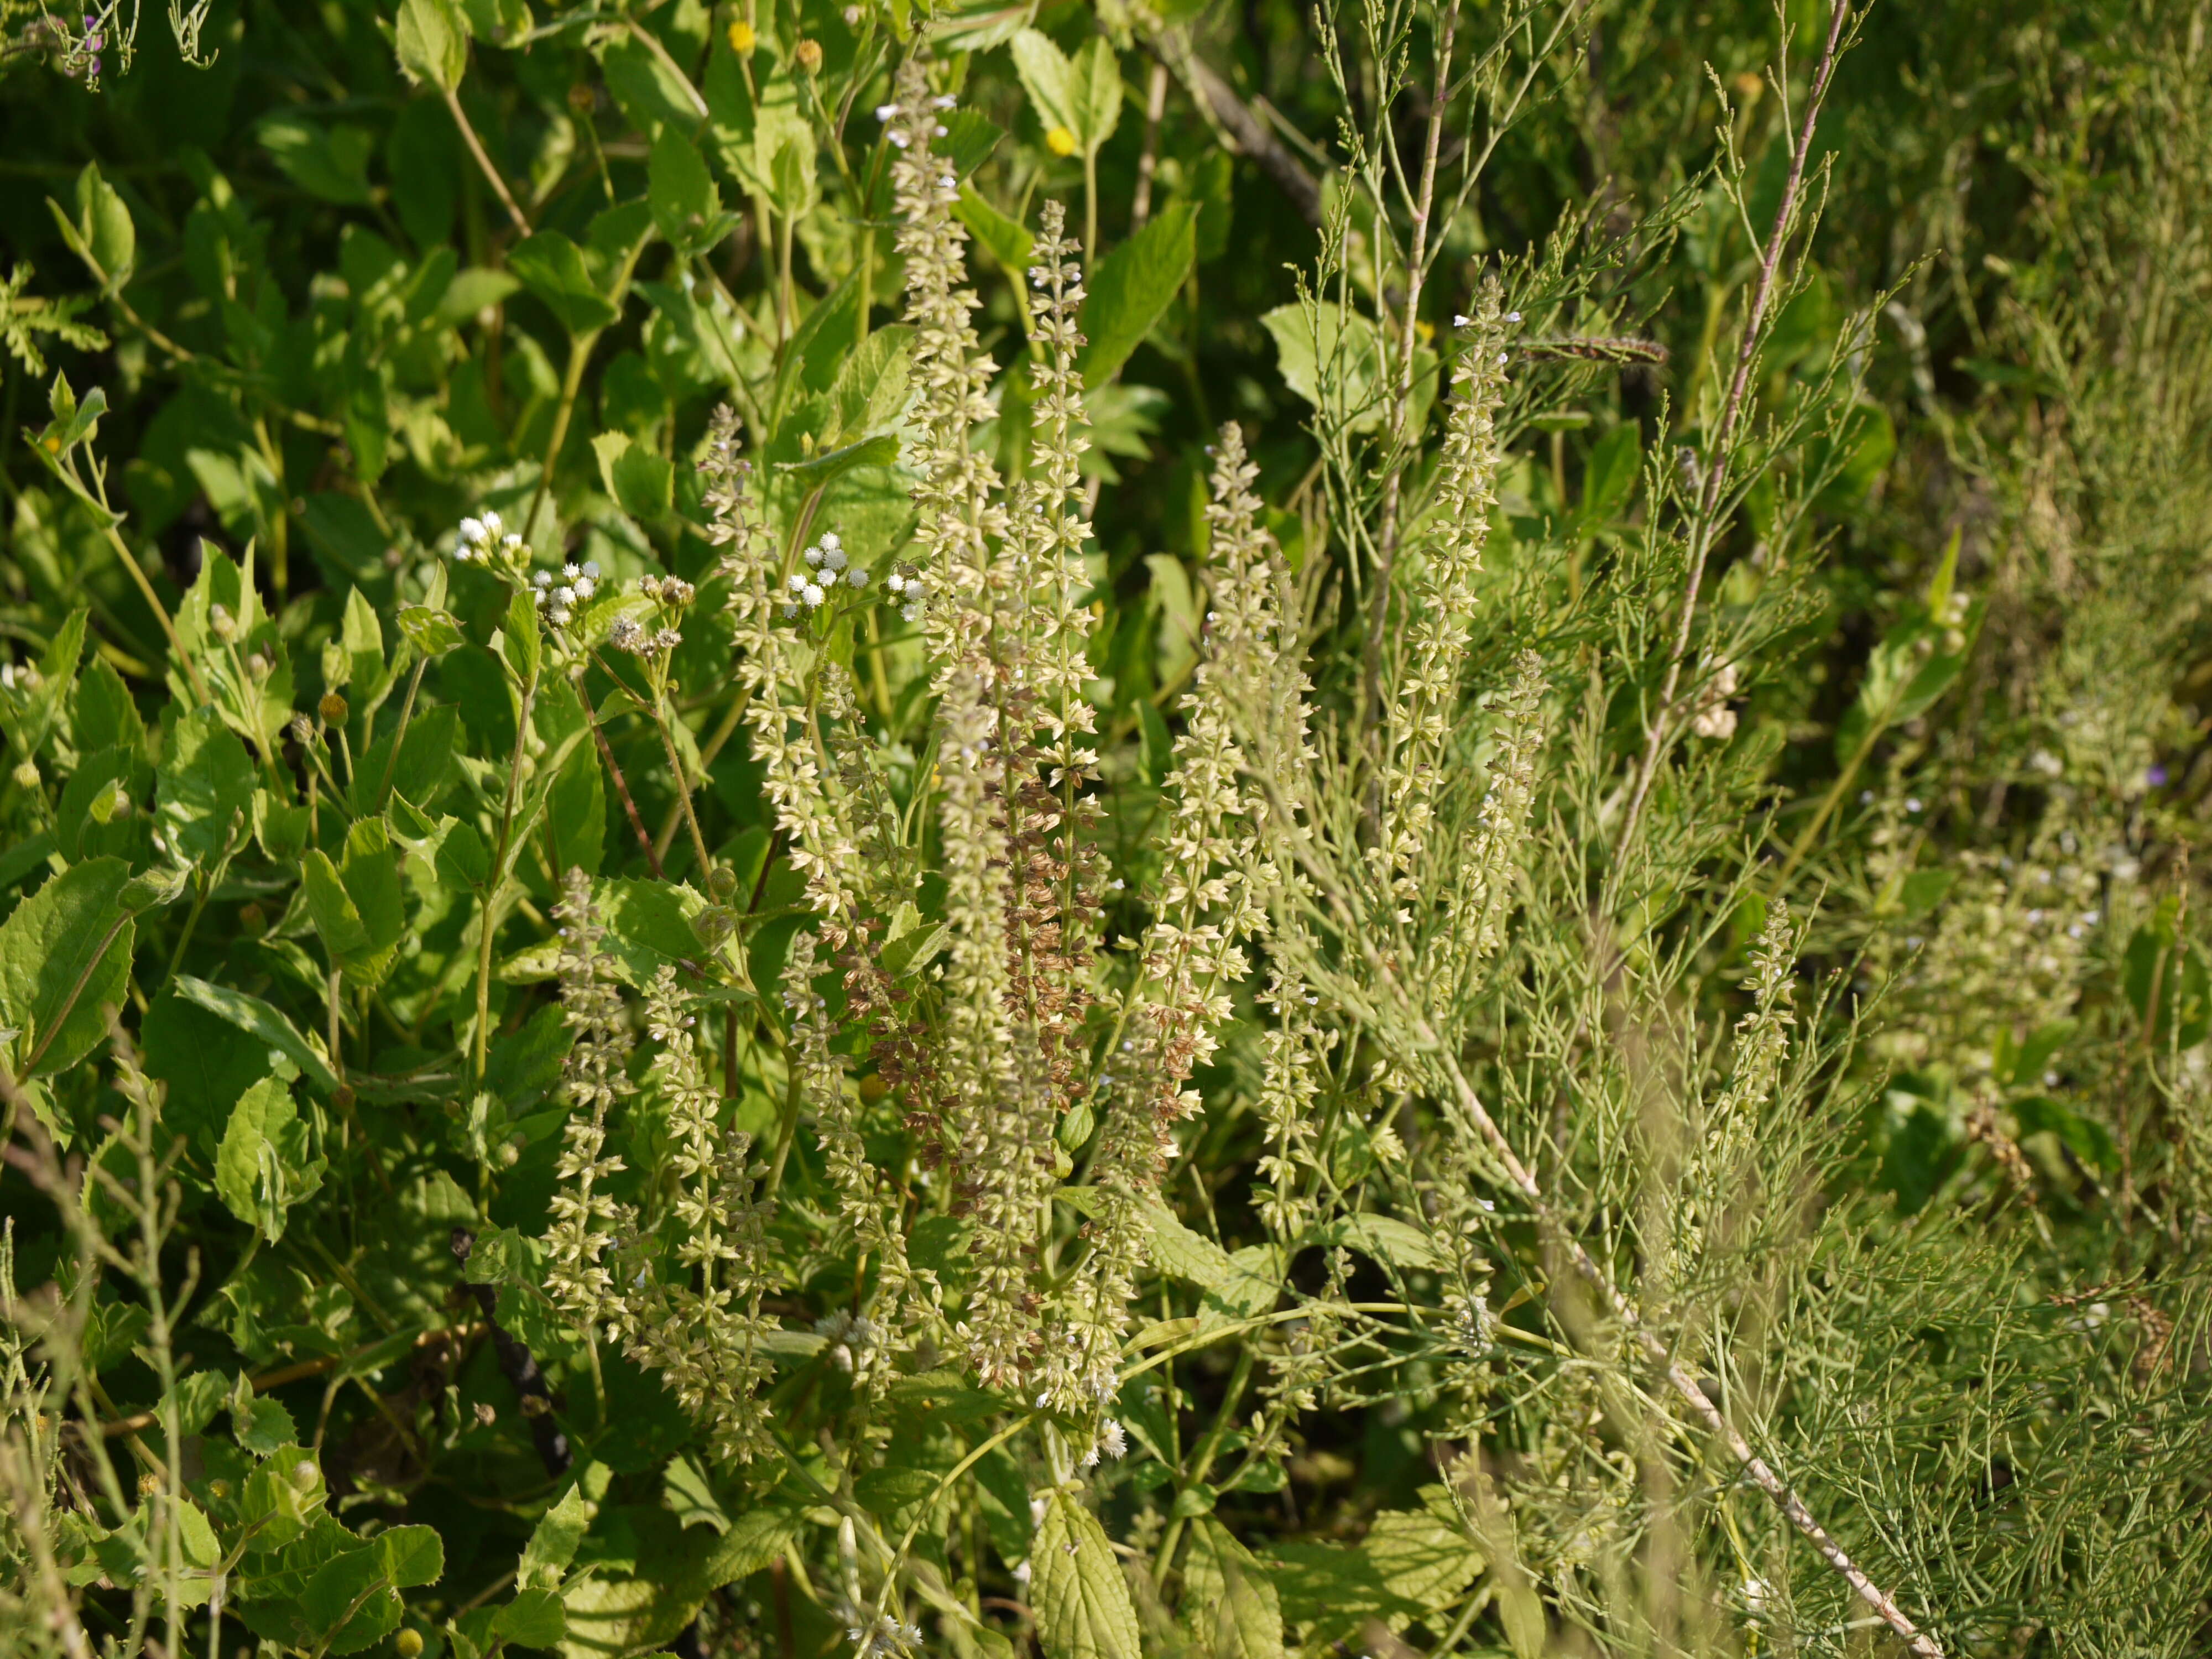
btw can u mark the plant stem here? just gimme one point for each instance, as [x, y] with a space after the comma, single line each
[1704, 522]
[483, 163]
[480, 1040]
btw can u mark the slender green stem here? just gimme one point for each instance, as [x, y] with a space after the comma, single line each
[580, 353]
[480, 1039]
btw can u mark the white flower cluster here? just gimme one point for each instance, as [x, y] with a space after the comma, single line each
[1111, 1442]
[19, 677]
[882, 1637]
[481, 538]
[826, 566]
[911, 593]
[888, 113]
[850, 1337]
[556, 601]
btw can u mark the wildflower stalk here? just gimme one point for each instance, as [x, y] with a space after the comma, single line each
[1706, 518]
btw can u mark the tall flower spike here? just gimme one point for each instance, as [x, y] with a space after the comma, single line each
[1440, 597]
[701, 1328]
[1481, 894]
[584, 1216]
[1206, 906]
[810, 807]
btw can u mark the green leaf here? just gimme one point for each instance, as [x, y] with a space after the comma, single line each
[1094, 87]
[262, 1168]
[552, 267]
[203, 789]
[349, 1602]
[1331, 360]
[261, 1426]
[1132, 286]
[1008, 239]
[106, 714]
[64, 959]
[1081, 1600]
[1616, 460]
[518, 642]
[690, 1497]
[433, 632]
[642, 481]
[535, 1618]
[258, 1018]
[686, 206]
[1227, 1602]
[1050, 81]
[331, 163]
[104, 224]
[870, 392]
[433, 43]
[553, 1541]
[282, 1497]
[411, 1555]
[197, 1397]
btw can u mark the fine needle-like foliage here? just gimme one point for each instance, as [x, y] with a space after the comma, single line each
[1129, 829]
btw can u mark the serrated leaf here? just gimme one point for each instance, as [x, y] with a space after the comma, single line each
[64, 959]
[553, 1541]
[1081, 1600]
[411, 1555]
[690, 1497]
[535, 1618]
[686, 206]
[262, 1168]
[204, 788]
[433, 632]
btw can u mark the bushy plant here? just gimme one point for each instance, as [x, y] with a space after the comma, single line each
[934, 827]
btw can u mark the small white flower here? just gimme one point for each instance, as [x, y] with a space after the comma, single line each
[790, 611]
[858, 578]
[1513, 316]
[472, 531]
[543, 579]
[884, 112]
[896, 582]
[1460, 319]
[811, 594]
[834, 559]
[911, 613]
[585, 588]
[591, 568]
[493, 525]
[943, 100]
[797, 581]
[899, 138]
[812, 555]
[571, 571]
[830, 540]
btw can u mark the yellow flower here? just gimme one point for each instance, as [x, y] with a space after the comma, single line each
[1060, 141]
[741, 38]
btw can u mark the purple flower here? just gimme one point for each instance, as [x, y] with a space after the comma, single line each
[2154, 776]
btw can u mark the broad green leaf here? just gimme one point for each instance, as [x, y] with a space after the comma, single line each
[1228, 1604]
[259, 1019]
[106, 714]
[1182, 1254]
[263, 1168]
[350, 1601]
[411, 1555]
[518, 640]
[433, 44]
[686, 206]
[1132, 286]
[433, 632]
[641, 481]
[678, 1568]
[203, 788]
[552, 267]
[198, 1397]
[535, 1618]
[1081, 1600]
[1333, 361]
[282, 1496]
[690, 1497]
[1007, 240]
[261, 1426]
[64, 959]
[1094, 87]
[870, 392]
[1049, 80]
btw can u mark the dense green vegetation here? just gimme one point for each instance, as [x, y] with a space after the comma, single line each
[1139, 827]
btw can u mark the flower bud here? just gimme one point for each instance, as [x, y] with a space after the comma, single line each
[807, 54]
[408, 1644]
[333, 709]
